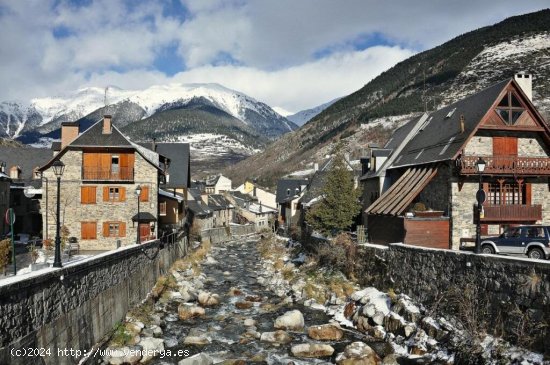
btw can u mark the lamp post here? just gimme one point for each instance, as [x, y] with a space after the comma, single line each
[58, 168]
[480, 197]
[138, 194]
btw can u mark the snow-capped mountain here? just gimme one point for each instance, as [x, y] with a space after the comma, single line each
[44, 115]
[302, 117]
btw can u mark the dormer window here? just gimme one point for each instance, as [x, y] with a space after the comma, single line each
[510, 108]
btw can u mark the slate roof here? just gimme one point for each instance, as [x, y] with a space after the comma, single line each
[94, 137]
[315, 187]
[198, 209]
[283, 185]
[56, 146]
[441, 138]
[218, 202]
[27, 158]
[180, 167]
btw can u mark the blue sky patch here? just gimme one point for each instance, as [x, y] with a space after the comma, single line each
[168, 61]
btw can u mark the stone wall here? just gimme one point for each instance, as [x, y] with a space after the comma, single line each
[436, 194]
[540, 195]
[463, 198]
[510, 286]
[74, 307]
[73, 212]
[225, 234]
[479, 146]
[532, 147]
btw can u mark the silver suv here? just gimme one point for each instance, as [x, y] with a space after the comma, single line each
[533, 241]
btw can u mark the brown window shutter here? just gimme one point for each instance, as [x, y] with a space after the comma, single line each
[83, 195]
[92, 194]
[528, 193]
[122, 194]
[144, 196]
[83, 230]
[105, 193]
[93, 230]
[122, 229]
[105, 229]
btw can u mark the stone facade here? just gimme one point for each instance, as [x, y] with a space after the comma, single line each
[463, 198]
[73, 212]
[479, 146]
[436, 194]
[540, 194]
[532, 147]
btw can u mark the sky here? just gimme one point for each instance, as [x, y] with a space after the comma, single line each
[290, 54]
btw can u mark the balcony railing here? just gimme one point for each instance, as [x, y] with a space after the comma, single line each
[506, 165]
[102, 174]
[511, 213]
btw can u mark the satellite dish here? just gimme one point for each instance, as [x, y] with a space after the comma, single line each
[27, 192]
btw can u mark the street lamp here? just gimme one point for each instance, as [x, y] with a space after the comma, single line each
[480, 196]
[138, 194]
[58, 168]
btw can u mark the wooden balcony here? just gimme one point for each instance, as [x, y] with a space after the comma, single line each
[511, 213]
[102, 174]
[506, 165]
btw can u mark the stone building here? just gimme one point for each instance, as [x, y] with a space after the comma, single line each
[424, 190]
[99, 204]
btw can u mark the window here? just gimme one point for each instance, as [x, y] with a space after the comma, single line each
[88, 195]
[144, 195]
[510, 108]
[162, 207]
[506, 193]
[88, 230]
[114, 229]
[114, 194]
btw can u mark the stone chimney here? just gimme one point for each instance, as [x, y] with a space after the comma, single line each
[107, 127]
[315, 167]
[525, 81]
[69, 132]
[154, 145]
[15, 172]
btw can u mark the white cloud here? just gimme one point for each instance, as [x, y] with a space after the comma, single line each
[293, 54]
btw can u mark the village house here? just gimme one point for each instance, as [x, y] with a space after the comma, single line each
[222, 209]
[201, 217]
[250, 210]
[421, 188]
[289, 192]
[217, 184]
[266, 198]
[99, 186]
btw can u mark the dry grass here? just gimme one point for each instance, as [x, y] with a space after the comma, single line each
[193, 259]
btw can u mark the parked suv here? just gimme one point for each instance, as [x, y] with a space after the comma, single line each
[533, 241]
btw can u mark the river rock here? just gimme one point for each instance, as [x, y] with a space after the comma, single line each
[196, 337]
[378, 332]
[391, 359]
[244, 305]
[151, 347]
[325, 332]
[276, 337]
[394, 323]
[235, 292]
[358, 353]
[292, 320]
[123, 355]
[208, 299]
[249, 322]
[406, 308]
[312, 350]
[198, 359]
[253, 298]
[186, 311]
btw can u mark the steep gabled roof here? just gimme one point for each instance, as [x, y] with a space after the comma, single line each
[94, 137]
[283, 185]
[218, 202]
[27, 158]
[441, 137]
[180, 160]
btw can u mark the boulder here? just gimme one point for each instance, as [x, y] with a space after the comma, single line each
[235, 291]
[208, 299]
[186, 311]
[358, 353]
[325, 332]
[279, 336]
[151, 347]
[196, 337]
[407, 309]
[391, 359]
[394, 323]
[292, 320]
[378, 332]
[249, 322]
[312, 350]
[123, 355]
[253, 298]
[198, 359]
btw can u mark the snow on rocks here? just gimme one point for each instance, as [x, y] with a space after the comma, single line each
[325, 332]
[198, 359]
[292, 320]
[312, 350]
[278, 336]
[358, 353]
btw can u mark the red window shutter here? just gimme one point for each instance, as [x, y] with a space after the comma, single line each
[144, 196]
[528, 193]
[105, 229]
[105, 193]
[122, 194]
[122, 229]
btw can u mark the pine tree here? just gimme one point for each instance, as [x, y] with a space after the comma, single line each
[340, 199]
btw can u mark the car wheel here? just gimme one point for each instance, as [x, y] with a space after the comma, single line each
[487, 249]
[535, 253]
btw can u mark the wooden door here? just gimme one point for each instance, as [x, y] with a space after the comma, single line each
[505, 146]
[144, 231]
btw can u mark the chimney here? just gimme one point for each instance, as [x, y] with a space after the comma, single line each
[462, 126]
[15, 172]
[107, 127]
[525, 81]
[154, 145]
[69, 132]
[315, 167]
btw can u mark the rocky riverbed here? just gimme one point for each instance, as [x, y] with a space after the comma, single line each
[237, 308]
